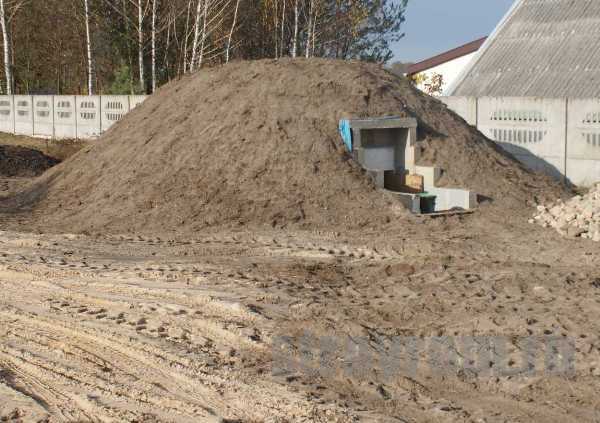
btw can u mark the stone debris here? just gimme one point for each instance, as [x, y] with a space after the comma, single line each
[578, 217]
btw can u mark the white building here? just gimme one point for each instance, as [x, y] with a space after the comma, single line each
[435, 75]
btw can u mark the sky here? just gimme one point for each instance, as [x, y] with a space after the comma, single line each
[435, 26]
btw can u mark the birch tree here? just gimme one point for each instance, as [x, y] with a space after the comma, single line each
[204, 26]
[154, 4]
[6, 44]
[176, 36]
[309, 28]
[282, 29]
[196, 35]
[237, 5]
[89, 47]
[295, 36]
[141, 45]
[186, 37]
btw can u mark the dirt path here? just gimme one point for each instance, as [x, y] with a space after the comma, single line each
[149, 329]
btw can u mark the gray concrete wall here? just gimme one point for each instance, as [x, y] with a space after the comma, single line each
[560, 137]
[83, 117]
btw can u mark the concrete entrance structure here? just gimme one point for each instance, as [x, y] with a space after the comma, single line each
[385, 148]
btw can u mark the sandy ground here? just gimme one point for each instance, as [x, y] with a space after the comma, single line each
[128, 328]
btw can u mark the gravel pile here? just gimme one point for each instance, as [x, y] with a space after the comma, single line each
[578, 217]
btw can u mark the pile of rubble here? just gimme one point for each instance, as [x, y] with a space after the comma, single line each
[578, 217]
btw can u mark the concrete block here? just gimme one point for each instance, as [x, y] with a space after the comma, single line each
[88, 116]
[65, 118]
[136, 100]
[583, 173]
[7, 118]
[23, 114]
[431, 175]
[532, 129]
[384, 123]
[465, 107]
[377, 158]
[43, 115]
[583, 141]
[411, 201]
[449, 198]
[113, 107]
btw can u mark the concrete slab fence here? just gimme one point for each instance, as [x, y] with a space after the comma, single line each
[64, 116]
[560, 137]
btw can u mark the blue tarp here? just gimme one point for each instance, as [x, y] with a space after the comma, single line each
[346, 133]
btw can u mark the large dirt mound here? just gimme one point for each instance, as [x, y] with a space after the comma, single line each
[23, 162]
[256, 143]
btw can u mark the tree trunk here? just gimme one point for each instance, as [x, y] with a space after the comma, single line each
[154, 4]
[237, 4]
[89, 47]
[129, 55]
[309, 29]
[185, 42]
[141, 46]
[196, 36]
[282, 30]
[204, 23]
[7, 68]
[295, 40]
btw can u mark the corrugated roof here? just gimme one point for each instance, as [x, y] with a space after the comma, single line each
[455, 53]
[543, 48]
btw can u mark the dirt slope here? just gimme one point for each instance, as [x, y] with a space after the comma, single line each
[256, 143]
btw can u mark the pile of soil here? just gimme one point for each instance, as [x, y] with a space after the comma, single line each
[23, 162]
[256, 143]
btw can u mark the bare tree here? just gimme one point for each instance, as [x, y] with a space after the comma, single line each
[295, 38]
[141, 45]
[89, 47]
[196, 35]
[309, 28]
[6, 42]
[204, 25]
[187, 37]
[235, 13]
[154, 4]
[282, 29]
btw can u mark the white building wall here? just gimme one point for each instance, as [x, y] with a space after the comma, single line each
[450, 71]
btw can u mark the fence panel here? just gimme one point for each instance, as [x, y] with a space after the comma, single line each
[114, 107]
[7, 117]
[465, 107]
[43, 115]
[65, 118]
[88, 116]
[136, 100]
[583, 141]
[23, 115]
[532, 129]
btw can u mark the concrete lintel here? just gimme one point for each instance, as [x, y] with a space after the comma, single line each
[430, 175]
[411, 201]
[383, 123]
[449, 198]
